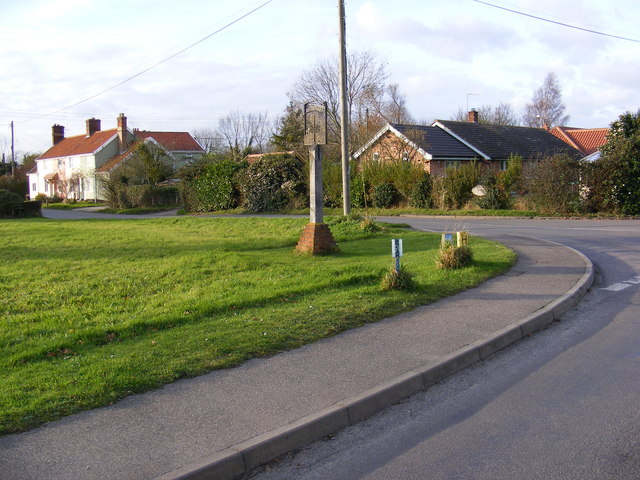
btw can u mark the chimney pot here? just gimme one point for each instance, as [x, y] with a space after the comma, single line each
[473, 116]
[93, 126]
[57, 132]
[122, 132]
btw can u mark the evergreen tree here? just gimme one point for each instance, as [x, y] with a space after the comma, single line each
[621, 159]
[290, 131]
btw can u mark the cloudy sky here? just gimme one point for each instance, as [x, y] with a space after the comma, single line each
[57, 57]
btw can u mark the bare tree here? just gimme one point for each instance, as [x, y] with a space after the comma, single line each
[503, 114]
[546, 108]
[242, 134]
[394, 110]
[366, 77]
[208, 140]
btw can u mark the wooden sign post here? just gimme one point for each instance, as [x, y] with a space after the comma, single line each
[316, 237]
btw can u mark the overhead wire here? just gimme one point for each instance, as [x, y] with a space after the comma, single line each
[166, 59]
[558, 23]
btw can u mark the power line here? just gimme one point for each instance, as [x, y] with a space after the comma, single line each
[558, 23]
[128, 79]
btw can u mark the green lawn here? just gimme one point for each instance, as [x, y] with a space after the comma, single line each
[93, 310]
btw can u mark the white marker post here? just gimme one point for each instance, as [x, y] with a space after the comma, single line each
[396, 251]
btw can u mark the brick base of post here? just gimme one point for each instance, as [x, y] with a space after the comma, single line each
[317, 239]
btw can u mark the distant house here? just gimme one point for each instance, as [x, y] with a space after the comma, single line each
[499, 142]
[447, 144]
[70, 168]
[431, 147]
[587, 140]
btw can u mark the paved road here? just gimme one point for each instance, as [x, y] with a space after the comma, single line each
[562, 404]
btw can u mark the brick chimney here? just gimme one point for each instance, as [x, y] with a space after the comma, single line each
[122, 132]
[473, 116]
[57, 132]
[93, 126]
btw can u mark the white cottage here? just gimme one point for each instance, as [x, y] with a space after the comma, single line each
[69, 169]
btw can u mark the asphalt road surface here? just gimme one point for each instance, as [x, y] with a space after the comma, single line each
[561, 404]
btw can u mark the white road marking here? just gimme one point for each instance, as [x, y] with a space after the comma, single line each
[616, 287]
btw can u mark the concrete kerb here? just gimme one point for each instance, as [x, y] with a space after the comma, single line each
[244, 457]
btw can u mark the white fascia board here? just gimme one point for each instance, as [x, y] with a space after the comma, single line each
[373, 140]
[383, 130]
[410, 142]
[460, 139]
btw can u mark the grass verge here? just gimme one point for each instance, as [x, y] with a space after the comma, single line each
[94, 310]
[71, 206]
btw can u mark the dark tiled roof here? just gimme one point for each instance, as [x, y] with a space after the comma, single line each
[501, 141]
[435, 141]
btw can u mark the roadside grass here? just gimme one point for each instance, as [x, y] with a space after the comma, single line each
[94, 310]
[391, 212]
[135, 210]
[71, 206]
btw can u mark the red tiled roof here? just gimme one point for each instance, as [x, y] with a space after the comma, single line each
[172, 141]
[587, 140]
[79, 145]
[112, 162]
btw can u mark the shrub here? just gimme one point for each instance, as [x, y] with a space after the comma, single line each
[554, 186]
[273, 183]
[421, 193]
[451, 257]
[358, 188]
[332, 184]
[496, 196]
[211, 186]
[9, 199]
[511, 179]
[16, 184]
[397, 280]
[384, 195]
[144, 196]
[620, 164]
[453, 190]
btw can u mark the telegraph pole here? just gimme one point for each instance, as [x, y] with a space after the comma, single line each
[13, 160]
[344, 112]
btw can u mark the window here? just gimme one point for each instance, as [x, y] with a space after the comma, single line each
[405, 156]
[46, 186]
[503, 165]
[452, 164]
[376, 156]
[60, 163]
[34, 187]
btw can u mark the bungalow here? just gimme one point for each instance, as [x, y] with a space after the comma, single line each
[431, 147]
[499, 142]
[449, 143]
[70, 168]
